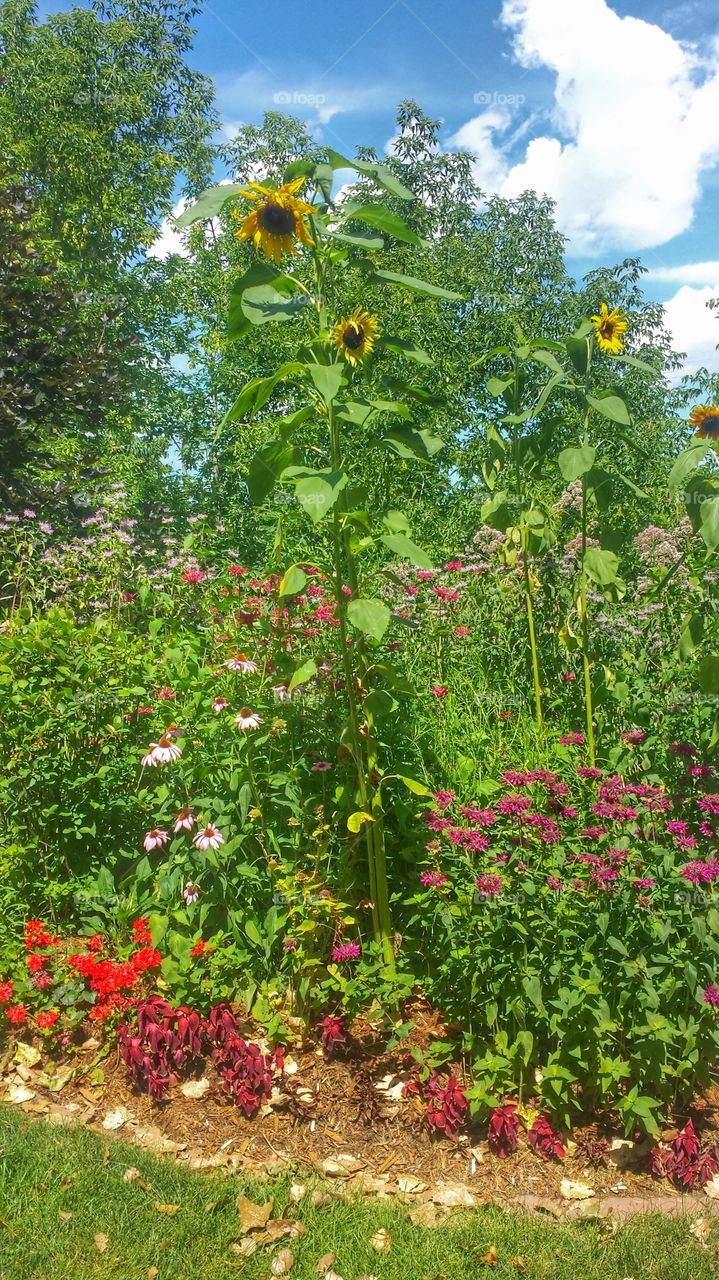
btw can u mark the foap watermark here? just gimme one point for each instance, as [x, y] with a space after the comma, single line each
[493, 98]
[295, 98]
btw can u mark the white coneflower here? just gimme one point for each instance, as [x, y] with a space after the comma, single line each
[242, 663]
[247, 719]
[166, 750]
[282, 692]
[155, 839]
[185, 820]
[190, 893]
[151, 760]
[209, 838]
[219, 704]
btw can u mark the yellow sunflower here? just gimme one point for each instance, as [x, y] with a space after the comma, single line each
[355, 337]
[705, 419]
[277, 220]
[608, 329]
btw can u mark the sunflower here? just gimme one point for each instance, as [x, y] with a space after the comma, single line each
[277, 220]
[355, 337]
[608, 329]
[705, 419]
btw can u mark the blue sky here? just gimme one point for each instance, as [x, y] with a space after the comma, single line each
[612, 108]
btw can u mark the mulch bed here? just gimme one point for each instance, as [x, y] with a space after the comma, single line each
[331, 1121]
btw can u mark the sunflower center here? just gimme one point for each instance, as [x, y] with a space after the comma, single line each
[275, 219]
[353, 336]
[607, 330]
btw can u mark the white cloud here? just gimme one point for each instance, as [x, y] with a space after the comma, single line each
[694, 328]
[686, 273]
[634, 125]
[314, 100]
[169, 239]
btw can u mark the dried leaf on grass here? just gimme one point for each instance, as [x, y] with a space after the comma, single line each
[282, 1263]
[253, 1217]
[490, 1257]
[101, 1241]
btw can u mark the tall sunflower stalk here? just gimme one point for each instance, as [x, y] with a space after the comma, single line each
[331, 359]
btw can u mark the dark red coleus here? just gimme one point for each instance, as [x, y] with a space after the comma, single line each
[446, 1104]
[503, 1130]
[544, 1140]
[334, 1031]
[683, 1161]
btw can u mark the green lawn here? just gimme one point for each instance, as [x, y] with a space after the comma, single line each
[59, 1188]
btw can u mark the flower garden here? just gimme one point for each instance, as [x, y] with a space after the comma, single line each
[395, 771]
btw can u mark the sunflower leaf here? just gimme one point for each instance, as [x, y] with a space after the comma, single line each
[417, 286]
[378, 172]
[208, 204]
[383, 220]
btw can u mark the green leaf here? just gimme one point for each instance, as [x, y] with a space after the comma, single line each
[303, 673]
[254, 934]
[687, 462]
[639, 364]
[318, 493]
[417, 286]
[370, 616]
[417, 788]
[380, 703]
[612, 407]
[380, 218]
[413, 442]
[357, 239]
[378, 172]
[578, 352]
[403, 347]
[209, 204]
[327, 379]
[407, 549]
[708, 675]
[396, 522]
[547, 389]
[266, 468]
[265, 303]
[691, 636]
[257, 392]
[601, 566]
[293, 582]
[574, 463]
[709, 527]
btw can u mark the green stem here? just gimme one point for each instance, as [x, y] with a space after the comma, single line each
[583, 596]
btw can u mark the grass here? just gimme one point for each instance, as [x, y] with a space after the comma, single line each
[61, 1187]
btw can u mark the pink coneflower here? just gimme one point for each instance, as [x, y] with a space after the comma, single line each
[321, 766]
[346, 951]
[155, 839]
[185, 820]
[433, 879]
[193, 576]
[209, 838]
[240, 662]
[281, 691]
[219, 705]
[439, 691]
[247, 719]
[711, 994]
[190, 893]
[162, 752]
[489, 886]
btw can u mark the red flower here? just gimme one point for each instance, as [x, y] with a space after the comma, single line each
[16, 1013]
[37, 935]
[503, 1130]
[199, 948]
[146, 958]
[35, 963]
[141, 930]
[96, 941]
[48, 1018]
[5, 991]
